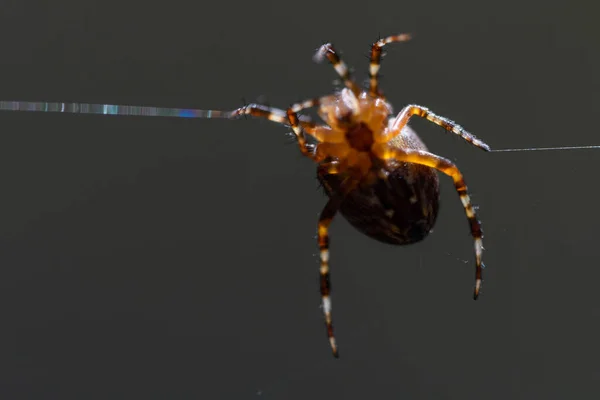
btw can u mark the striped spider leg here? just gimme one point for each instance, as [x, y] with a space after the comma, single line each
[387, 152]
[329, 144]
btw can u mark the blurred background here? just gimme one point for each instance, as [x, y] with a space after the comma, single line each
[176, 259]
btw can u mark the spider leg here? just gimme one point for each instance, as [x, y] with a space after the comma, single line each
[327, 215]
[322, 133]
[294, 121]
[407, 112]
[315, 102]
[386, 152]
[279, 116]
[340, 66]
[376, 49]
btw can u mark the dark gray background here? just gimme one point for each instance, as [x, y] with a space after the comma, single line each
[175, 259]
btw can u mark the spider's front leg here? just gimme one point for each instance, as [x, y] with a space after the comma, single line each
[322, 133]
[281, 117]
[327, 51]
[407, 112]
[386, 152]
[375, 63]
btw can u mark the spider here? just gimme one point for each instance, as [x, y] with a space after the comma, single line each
[375, 170]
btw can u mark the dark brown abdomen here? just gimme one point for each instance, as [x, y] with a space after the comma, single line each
[398, 204]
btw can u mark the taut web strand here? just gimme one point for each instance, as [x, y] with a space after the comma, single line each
[146, 111]
[112, 109]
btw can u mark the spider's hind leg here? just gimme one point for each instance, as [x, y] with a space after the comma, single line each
[386, 152]
[325, 219]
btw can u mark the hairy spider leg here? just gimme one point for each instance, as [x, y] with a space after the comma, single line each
[375, 63]
[334, 141]
[325, 219]
[281, 117]
[330, 147]
[332, 206]
[340, 66]
[387, 152]
[407, 112]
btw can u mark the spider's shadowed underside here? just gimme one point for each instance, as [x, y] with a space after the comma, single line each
[375, 169]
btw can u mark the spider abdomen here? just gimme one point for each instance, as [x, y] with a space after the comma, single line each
[398, 207]
[395, 203]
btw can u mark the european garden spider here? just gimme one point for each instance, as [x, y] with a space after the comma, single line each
[375, 169]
